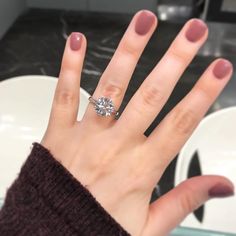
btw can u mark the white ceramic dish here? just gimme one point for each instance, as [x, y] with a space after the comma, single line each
[25, 104]
[215, 141]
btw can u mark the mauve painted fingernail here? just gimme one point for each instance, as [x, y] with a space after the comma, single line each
[76, 41]
[196, 30]
[221, 190]
[144, 22]
[222, 68]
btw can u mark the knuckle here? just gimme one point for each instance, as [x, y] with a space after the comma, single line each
[129, 49]
[151, 95]
[66, 67]
[188, 201]
[184, 121]
[205, 93]
[112, 89]
[179, 55]
[69, 66]
[64, 97]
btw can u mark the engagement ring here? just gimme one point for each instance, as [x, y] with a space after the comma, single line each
[104, 106]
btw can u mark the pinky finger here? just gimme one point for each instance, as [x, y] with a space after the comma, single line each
[167, 212]
[184, 118]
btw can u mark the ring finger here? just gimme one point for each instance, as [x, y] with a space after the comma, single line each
[116, 77]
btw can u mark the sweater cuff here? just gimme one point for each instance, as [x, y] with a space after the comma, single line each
[66, 196]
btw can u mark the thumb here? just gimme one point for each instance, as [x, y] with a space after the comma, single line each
[167, 212]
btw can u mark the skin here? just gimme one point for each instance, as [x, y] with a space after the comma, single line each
[112, 158]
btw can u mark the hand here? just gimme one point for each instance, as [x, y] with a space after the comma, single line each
[112, 158]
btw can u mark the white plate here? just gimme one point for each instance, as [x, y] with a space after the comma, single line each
[25, 104]
[215, 141]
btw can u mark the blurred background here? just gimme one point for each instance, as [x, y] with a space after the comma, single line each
[33, 35]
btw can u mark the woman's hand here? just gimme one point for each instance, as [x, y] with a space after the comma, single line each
[112, 158]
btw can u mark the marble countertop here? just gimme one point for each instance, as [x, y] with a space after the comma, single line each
[35, 43]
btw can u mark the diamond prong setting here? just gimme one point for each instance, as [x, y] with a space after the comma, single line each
[104, 106]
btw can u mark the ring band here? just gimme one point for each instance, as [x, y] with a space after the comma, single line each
[104, 106]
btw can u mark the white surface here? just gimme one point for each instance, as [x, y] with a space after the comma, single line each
[25, 104]
[215, 141]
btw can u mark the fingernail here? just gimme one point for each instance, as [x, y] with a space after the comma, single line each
[76, 41]
[196, 30]
[221, 190]
[144, 22]
[222, 68]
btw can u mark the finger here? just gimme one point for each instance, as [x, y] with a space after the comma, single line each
[66, 98]
[179, 124]
[116, 77]
[167, 212]
[157, 87]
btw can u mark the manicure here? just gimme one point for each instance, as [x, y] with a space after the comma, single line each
[75, 41]
[144, 22]
[222, 68]
[221, 190]
[196, 30]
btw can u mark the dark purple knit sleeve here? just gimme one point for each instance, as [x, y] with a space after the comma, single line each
[47, 200]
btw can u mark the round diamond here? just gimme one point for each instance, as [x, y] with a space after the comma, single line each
[104, 106]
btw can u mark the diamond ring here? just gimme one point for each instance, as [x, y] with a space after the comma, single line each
[104, 106]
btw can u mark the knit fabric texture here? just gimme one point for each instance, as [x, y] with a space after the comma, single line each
[47, 200]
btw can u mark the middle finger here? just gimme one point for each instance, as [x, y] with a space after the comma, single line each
[157, 87]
